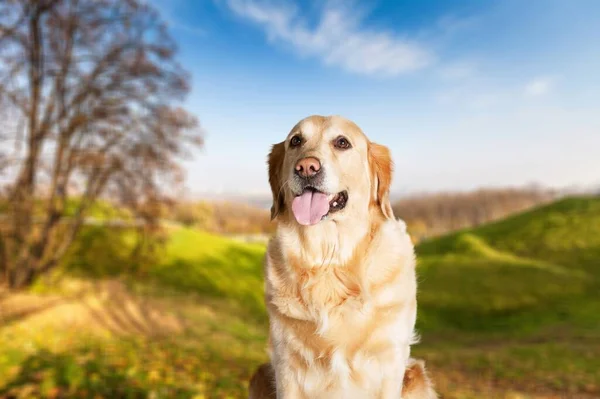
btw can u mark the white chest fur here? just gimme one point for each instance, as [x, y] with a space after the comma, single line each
[363, 317]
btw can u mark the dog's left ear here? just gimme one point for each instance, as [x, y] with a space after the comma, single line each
[382, 166]
[275, 163]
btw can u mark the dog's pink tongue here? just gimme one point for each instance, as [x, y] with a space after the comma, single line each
[310, 207]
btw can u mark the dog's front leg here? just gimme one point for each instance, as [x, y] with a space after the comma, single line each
[393, 373]
[391, 387]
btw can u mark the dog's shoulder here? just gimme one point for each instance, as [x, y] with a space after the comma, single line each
[394, 226]
[391, 259]
[392, 235]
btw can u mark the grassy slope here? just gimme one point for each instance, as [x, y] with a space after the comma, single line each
[512, 304]
[211, 284]
[516, 302]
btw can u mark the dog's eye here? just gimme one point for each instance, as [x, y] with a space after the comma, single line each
[342, 143]
[295, 141]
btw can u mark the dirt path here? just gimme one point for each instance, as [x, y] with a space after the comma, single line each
[100, 308]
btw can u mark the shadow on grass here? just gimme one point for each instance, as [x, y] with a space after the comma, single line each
[84, 373]
[123, 313]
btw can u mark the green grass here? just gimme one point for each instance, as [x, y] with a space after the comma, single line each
[190, 261]
[212, 358]
[215, 266]
[566, 232]
[213, 284]
[99, 209]
[517, 301]
[510, 306]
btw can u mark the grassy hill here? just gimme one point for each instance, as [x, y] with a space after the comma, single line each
[504, 308]
[516, 302]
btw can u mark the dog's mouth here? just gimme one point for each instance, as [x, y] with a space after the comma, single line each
[313, 205]
[338, 201]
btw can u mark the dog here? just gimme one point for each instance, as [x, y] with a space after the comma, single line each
[340, 280]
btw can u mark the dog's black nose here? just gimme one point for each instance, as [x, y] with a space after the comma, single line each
[308, 167]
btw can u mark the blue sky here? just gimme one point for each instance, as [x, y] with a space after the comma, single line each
[465, 93]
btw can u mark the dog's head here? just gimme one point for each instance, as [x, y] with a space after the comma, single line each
[327, 170]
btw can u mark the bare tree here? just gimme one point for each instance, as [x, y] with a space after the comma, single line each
[94, 84]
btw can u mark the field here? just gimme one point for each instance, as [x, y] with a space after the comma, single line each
[507, 310]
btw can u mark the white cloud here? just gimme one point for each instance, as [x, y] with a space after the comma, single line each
[539, 86]
[338, 38]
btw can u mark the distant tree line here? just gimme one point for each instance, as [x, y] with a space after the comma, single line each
[436, 214]
[222, 217]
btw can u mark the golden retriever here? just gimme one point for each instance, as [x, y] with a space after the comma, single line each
[340, 283]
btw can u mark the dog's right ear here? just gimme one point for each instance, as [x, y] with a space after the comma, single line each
[275, 163]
